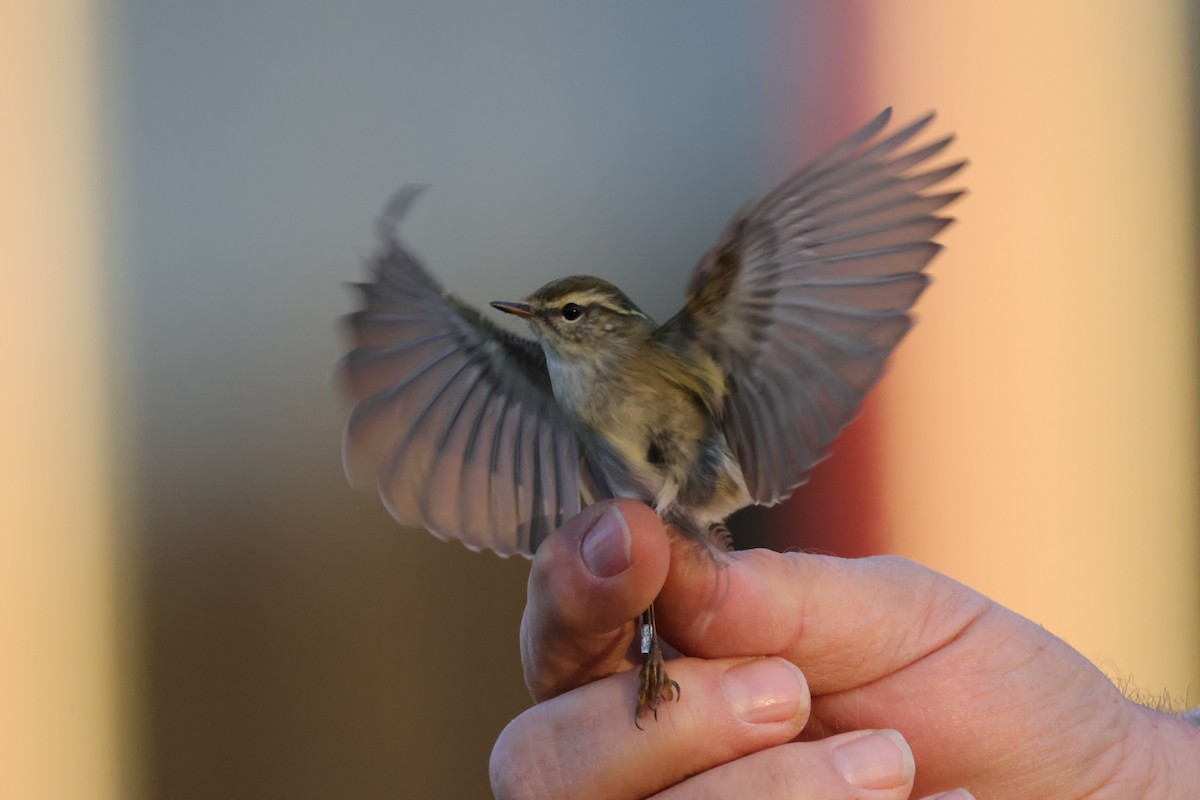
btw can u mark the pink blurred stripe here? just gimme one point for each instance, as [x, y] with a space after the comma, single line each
[827, 80]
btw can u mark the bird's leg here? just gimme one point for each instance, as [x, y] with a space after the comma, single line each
[656, 685]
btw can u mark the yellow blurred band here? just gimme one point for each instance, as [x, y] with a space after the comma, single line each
[61, 733]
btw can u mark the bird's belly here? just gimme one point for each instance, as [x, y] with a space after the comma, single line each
[673, 449]
[688, 470]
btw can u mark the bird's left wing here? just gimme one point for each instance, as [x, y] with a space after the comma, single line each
[807, 293]
[455, 421]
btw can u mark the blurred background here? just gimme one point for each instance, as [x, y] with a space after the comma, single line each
[192, 601]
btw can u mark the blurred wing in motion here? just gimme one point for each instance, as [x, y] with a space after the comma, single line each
[808, 292]
[455, 421]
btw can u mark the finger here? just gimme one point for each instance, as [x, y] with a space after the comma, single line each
[884, 643]
[824, 612]
[957, 794]
[589, 582]
[864, 765]
[583, 744]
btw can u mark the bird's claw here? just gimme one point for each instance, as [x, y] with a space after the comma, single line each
[655, 685]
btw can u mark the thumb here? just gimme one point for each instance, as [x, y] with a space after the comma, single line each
[589, 582]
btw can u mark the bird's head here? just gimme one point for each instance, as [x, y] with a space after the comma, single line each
[580, 313]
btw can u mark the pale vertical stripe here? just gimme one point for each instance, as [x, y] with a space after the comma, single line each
[1041, 424]
[59, 730]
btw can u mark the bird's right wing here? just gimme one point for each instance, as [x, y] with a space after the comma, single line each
[455, 422]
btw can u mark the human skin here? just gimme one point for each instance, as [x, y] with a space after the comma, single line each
[985, 699]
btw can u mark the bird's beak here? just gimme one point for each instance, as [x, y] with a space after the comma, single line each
[519, 309]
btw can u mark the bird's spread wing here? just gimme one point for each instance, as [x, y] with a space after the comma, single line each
[807, 293]
[455, 421]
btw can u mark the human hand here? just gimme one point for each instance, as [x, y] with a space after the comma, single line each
[732, 734]
[985, 698]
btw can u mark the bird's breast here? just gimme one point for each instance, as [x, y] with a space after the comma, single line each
[661, 423]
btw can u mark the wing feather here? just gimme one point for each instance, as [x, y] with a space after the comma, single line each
[808, 291]
[455, 422]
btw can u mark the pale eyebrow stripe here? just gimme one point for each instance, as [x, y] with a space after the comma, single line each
[598, 298]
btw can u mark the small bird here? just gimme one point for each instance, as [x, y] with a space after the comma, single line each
[492, 439]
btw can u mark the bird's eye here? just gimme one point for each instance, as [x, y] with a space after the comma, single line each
[571, 312]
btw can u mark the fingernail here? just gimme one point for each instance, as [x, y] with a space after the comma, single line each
[879, 760]
[957, 794]
[768, 690]
[606, 546]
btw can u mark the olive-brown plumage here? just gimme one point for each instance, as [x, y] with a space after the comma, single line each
[654, 400]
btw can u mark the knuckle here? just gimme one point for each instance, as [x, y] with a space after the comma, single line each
[786, 772]
[515, 767]
[889, 561]
[779, 776]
